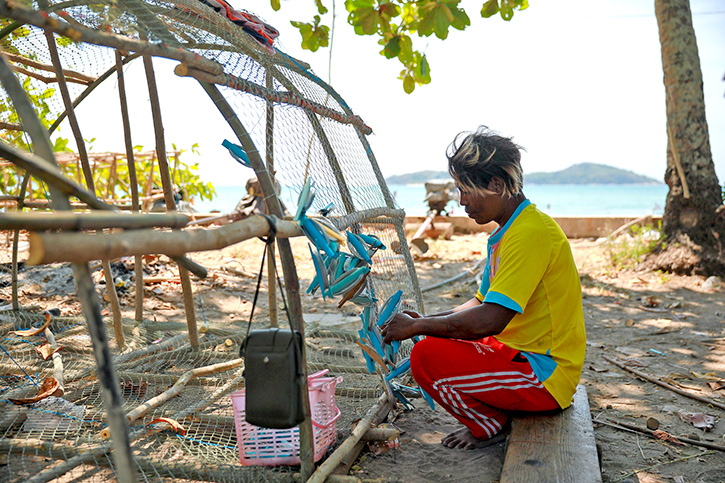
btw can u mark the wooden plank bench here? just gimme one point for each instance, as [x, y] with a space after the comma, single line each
[553, 448]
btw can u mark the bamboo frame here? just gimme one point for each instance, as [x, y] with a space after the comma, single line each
[88, 174]
[133, 181]
[281, 97]
[89, 221]
[86, 290]
[19, 59]
[168, 193]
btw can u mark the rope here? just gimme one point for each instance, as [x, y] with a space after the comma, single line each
[19, 366]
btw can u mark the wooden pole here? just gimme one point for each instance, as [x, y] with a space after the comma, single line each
[110, 389]
[88, 173]
[324, 470]
[90, 221]
[288, 264]
[269, 148]
[169, 193]
[16, 242]
[133, 182]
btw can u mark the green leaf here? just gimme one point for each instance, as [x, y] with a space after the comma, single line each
[365, 20]
[321, 9]
[408, 84]
[275, 5]
[461, 19]
[490, 8]
[392, 48]
[435, 18]
[507, 10]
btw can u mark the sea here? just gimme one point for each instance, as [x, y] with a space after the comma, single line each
[556, 200]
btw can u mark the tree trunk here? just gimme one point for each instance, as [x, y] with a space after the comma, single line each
[694, 220]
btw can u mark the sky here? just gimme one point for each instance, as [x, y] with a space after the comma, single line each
[572, 82]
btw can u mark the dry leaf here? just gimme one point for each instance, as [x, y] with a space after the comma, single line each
[33, 331]
[50, 387]
[178, 428]
[698, 420]
[46, 350]
[665, 436]
[629, 322]
[716, 385]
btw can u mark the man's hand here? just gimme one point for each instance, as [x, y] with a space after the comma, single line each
[400, 327]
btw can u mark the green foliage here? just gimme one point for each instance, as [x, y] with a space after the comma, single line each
[627, 250]
[314, 35]
[183, 175]
[396, 22]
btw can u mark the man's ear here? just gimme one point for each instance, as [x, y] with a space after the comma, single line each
[496, 185]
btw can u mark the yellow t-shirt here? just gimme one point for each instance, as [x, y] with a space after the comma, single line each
[531, 270]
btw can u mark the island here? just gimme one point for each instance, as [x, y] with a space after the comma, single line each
[582, 173]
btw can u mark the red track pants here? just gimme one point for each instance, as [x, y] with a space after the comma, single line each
[478, 381]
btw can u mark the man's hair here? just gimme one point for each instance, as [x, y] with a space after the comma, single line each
[474, 158]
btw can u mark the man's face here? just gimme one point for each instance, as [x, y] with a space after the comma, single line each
[481, 208]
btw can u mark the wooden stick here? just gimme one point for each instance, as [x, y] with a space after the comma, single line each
[52, 247]
[470, 272]
[632, 428]
[619, 230]
[672, 388]
[324, 470]
[85, 79]
[179, 386]
[169, 192]
[10, 126]
[45, 79]
[90, 221]
[281, 97]
[57, 360]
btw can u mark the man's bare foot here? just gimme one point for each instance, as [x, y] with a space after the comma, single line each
[464, 439]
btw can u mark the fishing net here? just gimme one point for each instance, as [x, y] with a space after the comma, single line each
[301, 128]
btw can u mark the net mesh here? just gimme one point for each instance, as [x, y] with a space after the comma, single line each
[303, 130]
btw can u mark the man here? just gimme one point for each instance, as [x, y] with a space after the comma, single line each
[519, 344]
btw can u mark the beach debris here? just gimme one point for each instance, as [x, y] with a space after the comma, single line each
[653, 424]
[698, 420]
[665, 436]
[712, 283]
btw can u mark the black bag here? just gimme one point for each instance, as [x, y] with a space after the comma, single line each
[273, 378]
[273, 375]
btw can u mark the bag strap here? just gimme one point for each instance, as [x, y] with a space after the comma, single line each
[268, 241]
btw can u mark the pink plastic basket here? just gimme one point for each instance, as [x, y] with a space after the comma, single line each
[271, 447]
